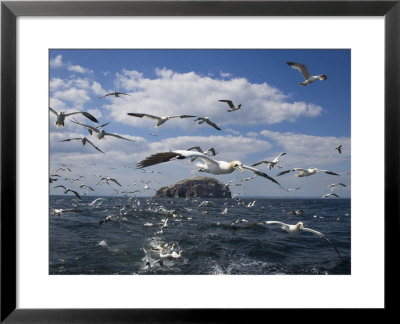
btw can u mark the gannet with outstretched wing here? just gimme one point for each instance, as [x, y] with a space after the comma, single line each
[201, 120]
[101, 132]
[300, 226]
[66, 190]
[306, 74]
[160, 120]
[306, 172]
[232, 107]
[272, 163]
[115, 94]
[209, 165]
[84, 140]
[61, 116]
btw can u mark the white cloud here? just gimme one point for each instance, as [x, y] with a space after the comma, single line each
[174, 93]
[78, 69]
[76, 96]
[56, 62]
[225, 74]
[310, 151]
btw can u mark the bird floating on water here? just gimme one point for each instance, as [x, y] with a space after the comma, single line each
[306, 74]
[272, 163]
[306, 172]
[62, 115]
[84, 140]
[115, 94]
[300, 226]
[101, 132]
[210, 165]
[232, 107]
[296, 212]
[59, 212]
[201, 120]
[160, 120]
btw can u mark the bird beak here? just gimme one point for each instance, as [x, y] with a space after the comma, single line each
[239, 168]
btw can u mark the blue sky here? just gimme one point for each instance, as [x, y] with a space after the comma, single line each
[277, 115]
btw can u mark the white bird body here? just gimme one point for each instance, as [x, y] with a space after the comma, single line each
[101, 133]
[306, 172]
[62, 115]
[300, 226]
[209, 165]
[160, 120]
[232, 107]
[171, 255]
[272, 163]
[308, 78]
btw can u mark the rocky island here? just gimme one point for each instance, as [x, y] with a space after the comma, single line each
[201, 187]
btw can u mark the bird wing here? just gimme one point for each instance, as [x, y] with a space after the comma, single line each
[108, 94]
[53, 111]
[328, 172]
[301, 68]
[123, 93]
[116, 182]
[60, 186]
[197, 148]
[75, 193]
[117, 136]
[286, 171]
[157, 158]
[284, 226]
[209, 122]
[186, 116]
[94, 129]
[95, 146]
[84, 113]
[229, 102]
[213, 153]
[321, 236]
[259, 173]
[342, 184]
[71, 139]
[144, 115]
[277, 158]
[266, 162]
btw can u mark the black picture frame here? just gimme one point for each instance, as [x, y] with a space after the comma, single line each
[10, 10]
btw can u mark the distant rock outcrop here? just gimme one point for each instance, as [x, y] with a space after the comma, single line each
[202, 187]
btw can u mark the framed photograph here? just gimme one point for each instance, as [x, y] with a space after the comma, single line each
[195, 153]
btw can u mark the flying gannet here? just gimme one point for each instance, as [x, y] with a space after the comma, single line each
[306, 172]
[84, 140]
[61, 116]
[231, 105]
[97, 127]
[83, 186]
[198, 149]
[66, 190]
[101, 132]
[201, 120]
[160, 120]
[330, 194]
[107, 179]
[332, 186]
[272, 163]
[300, 226]
[115, 93]
[307, 76]
[210, 165]
[339, 149]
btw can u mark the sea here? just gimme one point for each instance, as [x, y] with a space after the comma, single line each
[218, 236]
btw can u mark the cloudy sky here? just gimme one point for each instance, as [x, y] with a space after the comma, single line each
[277, 115]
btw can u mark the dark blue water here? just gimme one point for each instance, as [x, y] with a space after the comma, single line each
[210, 245]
